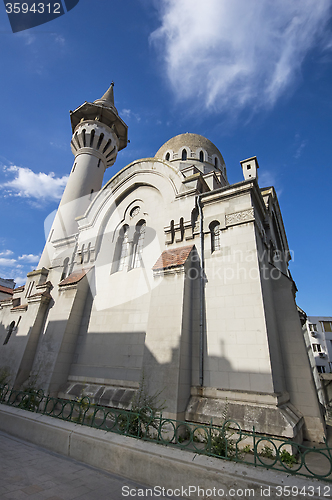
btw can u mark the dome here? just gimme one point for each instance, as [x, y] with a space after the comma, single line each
[195, 145]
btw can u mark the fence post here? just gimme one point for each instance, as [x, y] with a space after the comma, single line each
[254, 441]
[210, 437]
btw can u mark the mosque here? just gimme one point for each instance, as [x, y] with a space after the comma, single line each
[167, 277]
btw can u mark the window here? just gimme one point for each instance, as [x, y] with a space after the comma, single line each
[138, 244]
[201, 156]
[29, 289]
[321, 369]
[316, 348]
[134, 211]
[326, 326]
[92, 136]
[215, 236]
[184, 154]
[216, 162]
[10, 331]
[312, 327]
[65, 269]
[124, 247]
[167, 157]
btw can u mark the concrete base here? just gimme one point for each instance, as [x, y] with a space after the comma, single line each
[148, 463]
[279, 421]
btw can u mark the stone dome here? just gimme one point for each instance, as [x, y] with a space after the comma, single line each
[196, 146]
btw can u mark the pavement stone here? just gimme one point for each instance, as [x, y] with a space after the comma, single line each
[29, 472]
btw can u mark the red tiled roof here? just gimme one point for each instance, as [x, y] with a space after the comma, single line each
[173, 258]
[5, 289]
[74, 278]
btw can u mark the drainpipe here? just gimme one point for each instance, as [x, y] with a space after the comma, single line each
[201, 294]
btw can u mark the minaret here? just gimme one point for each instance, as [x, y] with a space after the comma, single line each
[98, 134]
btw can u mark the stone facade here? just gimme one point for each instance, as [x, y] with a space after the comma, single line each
[170, 277]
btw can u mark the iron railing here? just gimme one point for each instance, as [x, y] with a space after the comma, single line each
[228, 441]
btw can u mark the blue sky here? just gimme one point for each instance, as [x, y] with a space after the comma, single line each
[253, 77]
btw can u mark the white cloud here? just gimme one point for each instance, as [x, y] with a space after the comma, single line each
[5, 253]
[17, 268]
[7, 262]
[30, 258]
[227, 55]
[20, 280]
[128, 113]
[267, 178]
[28, 184]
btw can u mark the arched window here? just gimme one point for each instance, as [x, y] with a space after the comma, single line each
[138, 244]
[184, 154]
[216, 162]
[65, 269]
[194, 218]
[123, 245]
[201, 156]
[182, 228]
[215, 236]
[10, 331]
[167, 157]
[172, 231]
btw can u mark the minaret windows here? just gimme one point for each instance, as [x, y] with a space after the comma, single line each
[92, 136]
[77, 140]
[101, 137]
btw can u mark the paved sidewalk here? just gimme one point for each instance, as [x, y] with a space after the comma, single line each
[30, 472]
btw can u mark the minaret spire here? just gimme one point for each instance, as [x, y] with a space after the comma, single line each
[98, 134]
[108, 97]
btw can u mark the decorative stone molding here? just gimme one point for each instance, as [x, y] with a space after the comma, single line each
[240, 217]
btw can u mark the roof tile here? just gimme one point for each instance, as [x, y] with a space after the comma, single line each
[173, 258]
[5, 289]
[74, 278]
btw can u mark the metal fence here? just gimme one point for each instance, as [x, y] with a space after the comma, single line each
[228, 442]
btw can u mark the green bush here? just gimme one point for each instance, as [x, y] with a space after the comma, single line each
[267, 452]
[287, 458]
